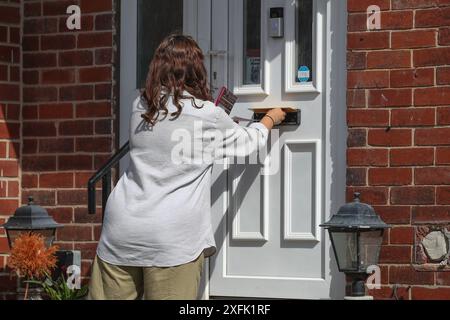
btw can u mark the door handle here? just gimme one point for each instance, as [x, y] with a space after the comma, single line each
[213, 54]
[216, 53]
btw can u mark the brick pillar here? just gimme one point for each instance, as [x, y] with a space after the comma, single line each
[398, 118]
[68, 113]
[10, 99]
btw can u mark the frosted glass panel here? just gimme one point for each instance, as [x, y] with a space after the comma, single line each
[252, 42]
[156, 20]
[304, 39]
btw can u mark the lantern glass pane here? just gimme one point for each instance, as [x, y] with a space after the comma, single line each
[346, 251]
[48, 234]
[369, 246]
[12, 235]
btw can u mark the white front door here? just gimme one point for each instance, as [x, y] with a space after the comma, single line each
[266, 225]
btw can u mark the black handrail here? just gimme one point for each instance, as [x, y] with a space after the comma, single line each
[104, 173]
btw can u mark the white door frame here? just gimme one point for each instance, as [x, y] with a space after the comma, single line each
[128, 62]
[334, 88]
[128, 55]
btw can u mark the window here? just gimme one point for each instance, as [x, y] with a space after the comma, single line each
[156, 20]
[247, 35]
[304, 33]
[252, 42]
[304, 41]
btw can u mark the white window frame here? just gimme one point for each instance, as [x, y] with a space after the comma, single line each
[315, 86]
[236, 41]
[128, 62]
[128, 57]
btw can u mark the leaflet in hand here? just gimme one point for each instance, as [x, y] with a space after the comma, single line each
[226, 100]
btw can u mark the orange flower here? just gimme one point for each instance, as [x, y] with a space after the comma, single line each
[30, 257]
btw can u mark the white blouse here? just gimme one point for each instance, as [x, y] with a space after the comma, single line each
[159, 213]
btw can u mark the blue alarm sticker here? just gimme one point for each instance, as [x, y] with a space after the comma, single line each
[303, 74]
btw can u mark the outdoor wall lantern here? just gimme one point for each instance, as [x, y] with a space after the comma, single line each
[31, 218]
[356, 233]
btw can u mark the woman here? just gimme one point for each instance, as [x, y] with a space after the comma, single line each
[157, 228]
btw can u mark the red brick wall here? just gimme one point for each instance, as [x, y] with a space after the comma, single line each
[398, 118]
[65, 97]
[10, 98]
[68, 112]
[69, 103]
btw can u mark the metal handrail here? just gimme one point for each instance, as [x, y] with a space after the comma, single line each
[104, 173]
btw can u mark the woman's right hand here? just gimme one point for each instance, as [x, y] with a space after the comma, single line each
[273, 117]
[277, 115]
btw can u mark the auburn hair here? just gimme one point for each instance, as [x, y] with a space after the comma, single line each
[177, 66]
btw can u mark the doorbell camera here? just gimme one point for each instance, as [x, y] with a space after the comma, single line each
[276, 25]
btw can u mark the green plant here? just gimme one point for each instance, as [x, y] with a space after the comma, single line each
[59, 290]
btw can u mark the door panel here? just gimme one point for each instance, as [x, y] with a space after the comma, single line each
[250, 215]
[301, 192]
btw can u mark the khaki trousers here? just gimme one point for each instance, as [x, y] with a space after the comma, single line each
[112, 282]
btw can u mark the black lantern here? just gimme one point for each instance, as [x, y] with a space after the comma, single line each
[356, 233]
[31, 219]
